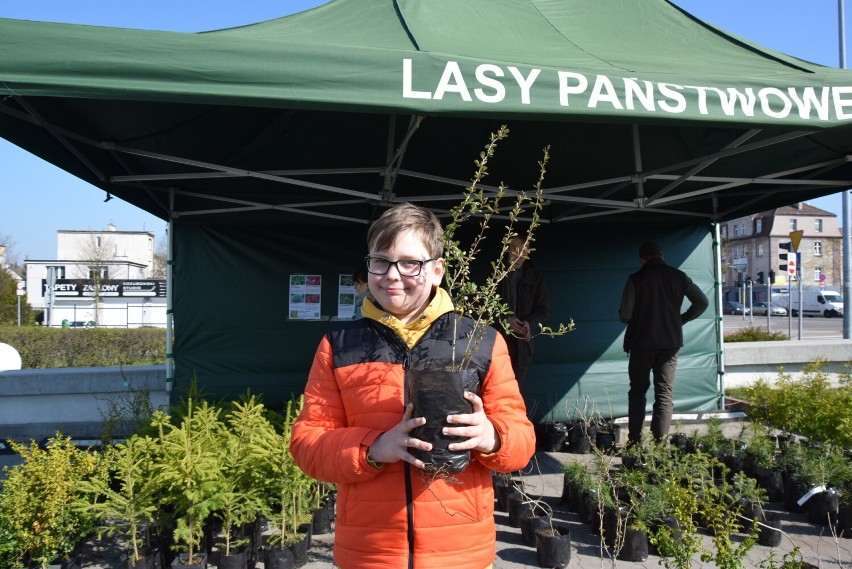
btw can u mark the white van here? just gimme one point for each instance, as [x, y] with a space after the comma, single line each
[826, 303]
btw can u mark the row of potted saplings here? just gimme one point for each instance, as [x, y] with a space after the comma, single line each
[660, 496]
[204, 483]
[807, 476]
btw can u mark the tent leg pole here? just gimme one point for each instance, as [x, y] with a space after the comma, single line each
[720, 332]
[170, 362]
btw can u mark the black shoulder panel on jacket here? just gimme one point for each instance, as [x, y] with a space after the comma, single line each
[368, 341]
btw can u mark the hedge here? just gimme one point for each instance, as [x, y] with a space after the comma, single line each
[42, 347]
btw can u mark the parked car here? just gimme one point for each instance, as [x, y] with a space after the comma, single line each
[81, 324]
[732, 307]
[759, 309]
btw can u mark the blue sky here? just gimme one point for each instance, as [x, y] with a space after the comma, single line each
[39, 199]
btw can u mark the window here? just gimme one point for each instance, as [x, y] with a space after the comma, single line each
[817, 273]
[817, 248]
[758, 225]
[736, 230]
[725, 231]
[98, 273]
[98, 242]
[818, 225]
[759, 252]
[60, 272]
[793, 224]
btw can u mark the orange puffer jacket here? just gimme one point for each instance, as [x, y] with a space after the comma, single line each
[390, 518]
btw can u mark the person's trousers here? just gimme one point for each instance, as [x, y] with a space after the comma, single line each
[661, 364]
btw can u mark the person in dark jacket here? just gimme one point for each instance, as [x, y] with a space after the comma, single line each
[650, 306]
[525, 294]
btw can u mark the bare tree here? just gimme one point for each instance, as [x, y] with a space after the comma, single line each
[97, 253]
[161, 257]
[8, 256]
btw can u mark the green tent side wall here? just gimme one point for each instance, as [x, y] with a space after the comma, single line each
[231, 293]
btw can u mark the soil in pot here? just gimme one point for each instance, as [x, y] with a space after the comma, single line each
[553, 547]
[436, 393]
[532, 523]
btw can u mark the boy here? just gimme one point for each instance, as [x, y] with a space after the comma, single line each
[355, 428]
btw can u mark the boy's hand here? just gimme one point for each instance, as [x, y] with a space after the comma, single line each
[393, 445]
[480, 433]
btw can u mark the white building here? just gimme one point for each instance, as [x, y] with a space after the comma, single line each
[100, 278]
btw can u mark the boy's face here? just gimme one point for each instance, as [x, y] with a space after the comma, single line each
[405, 297]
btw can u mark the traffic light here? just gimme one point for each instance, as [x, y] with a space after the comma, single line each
[783, 256]
[772, 277]
[759, 277]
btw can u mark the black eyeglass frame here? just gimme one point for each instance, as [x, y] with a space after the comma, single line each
[421, 262]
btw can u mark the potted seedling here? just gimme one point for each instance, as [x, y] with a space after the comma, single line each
[130, 506]
[40, 520]
[191, 476]
[242, 499]
[438, 389]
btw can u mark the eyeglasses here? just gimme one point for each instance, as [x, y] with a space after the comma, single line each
[405, 267]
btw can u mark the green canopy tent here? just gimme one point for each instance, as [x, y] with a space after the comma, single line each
[270, 147]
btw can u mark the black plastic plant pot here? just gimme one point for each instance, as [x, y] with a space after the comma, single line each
[553, 547]
[635, 546]
[278, 558]
[530, 524]
[436, 393]
[769, 534]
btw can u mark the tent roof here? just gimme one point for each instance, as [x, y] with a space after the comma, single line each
[360, 103]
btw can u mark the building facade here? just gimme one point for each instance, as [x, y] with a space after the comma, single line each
[751, 247]
[100, 278]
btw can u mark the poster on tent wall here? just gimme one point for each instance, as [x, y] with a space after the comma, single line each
[305, 295]
[346, 295]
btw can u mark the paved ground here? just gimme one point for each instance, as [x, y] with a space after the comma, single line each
[544, 477]
[512, 552]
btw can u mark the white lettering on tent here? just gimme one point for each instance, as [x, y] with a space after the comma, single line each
[525, 83]
[729, 104]
[566, 89]
[407, 91]
[808, 99]
[674, 101]
[482, 76]
[604, 92]
[767, 95]
[702, 98]
[632, 91]
[841, 103]
[452, 81]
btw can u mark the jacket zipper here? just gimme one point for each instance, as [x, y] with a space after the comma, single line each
[409, 493]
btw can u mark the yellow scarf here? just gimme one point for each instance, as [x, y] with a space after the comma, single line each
[412, 332]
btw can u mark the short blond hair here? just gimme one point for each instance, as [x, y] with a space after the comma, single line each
[407, 217]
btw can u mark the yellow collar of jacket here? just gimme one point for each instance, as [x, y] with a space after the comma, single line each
[412, 332]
